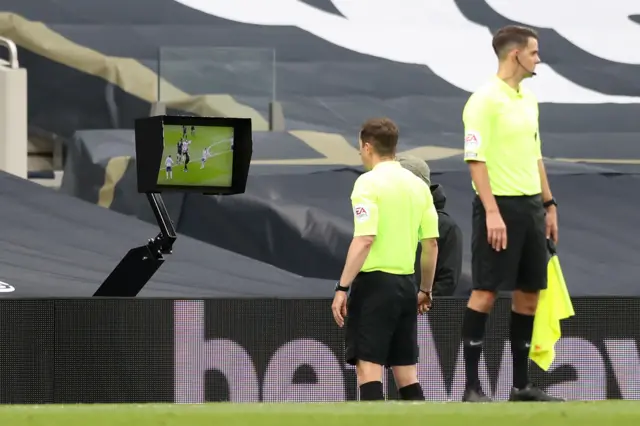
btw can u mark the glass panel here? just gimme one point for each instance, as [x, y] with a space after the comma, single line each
[247, 74]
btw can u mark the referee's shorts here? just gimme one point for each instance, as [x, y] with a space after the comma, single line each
[523, 265]
[382, 320]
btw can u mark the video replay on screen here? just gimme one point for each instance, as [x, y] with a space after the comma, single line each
[196, 156]
[189, 154]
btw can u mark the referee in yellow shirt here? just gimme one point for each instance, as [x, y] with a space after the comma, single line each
[513, 213]
[393, 210]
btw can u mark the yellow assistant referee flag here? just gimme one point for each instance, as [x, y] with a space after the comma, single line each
[554, 305]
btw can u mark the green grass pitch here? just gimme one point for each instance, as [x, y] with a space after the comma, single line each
[218, 167]
[601, 413]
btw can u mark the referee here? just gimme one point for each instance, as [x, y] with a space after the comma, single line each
[393, 210]
[513, 212]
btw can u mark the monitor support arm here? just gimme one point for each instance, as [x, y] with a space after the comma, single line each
[141, 263]
[163, 242]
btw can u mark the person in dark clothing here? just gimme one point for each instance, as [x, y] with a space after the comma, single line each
[450, 243]
[449, 265]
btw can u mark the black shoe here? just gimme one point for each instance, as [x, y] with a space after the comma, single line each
[531, 393]
[475, 394]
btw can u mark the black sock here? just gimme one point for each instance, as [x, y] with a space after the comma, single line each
[473, 327]
[411, 393]
[520, 335]
[371, 391]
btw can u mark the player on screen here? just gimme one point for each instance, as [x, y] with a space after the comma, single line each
[205, 155]
[168, 164]
[193, 131]
[184, 132]
[179, 156]
[185, 153]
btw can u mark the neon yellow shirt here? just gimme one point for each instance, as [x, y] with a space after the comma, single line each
[396, 206]
[501, 130]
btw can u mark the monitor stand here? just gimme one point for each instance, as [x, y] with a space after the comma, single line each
[140, 263]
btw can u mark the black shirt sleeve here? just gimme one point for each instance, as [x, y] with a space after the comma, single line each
[449, 263]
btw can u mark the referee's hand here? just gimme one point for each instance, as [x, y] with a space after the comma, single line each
[424, 302]
[496, 231]
[339, 307]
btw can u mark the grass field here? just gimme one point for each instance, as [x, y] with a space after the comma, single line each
[218, 167]
[601, 413]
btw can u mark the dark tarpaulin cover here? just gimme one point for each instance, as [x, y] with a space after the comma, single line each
[97, 65]
[302, 222]
[94, 66]
[53, 245]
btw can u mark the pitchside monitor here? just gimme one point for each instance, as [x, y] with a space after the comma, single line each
[193, 154]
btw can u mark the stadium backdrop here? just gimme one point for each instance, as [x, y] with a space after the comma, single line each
[155, 350]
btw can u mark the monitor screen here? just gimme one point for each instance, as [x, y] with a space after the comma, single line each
[205, 155]
[196, 156]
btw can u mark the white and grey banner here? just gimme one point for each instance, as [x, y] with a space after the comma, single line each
[263, 362]
[271, 350]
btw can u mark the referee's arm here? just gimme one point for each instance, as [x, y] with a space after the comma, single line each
[477, 118]
[428, 235]
[477, 135]
[552, 218]
[544, 182]
[365, 217]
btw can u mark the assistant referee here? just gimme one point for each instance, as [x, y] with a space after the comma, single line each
[393, 210]
[513, 212]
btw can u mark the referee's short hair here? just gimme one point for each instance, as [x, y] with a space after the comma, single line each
[511, 35]
[381, 134]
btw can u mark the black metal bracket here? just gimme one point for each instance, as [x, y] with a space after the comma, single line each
[140, 264]
[162, 244]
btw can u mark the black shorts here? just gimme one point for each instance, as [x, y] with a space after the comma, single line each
[382, 320]
[523, 265]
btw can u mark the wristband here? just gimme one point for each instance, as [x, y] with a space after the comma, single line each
[341, 288]
[549, 203]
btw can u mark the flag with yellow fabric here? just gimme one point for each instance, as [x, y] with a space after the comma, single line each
[554, 305]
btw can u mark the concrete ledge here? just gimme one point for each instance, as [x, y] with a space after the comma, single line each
[51, 183]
